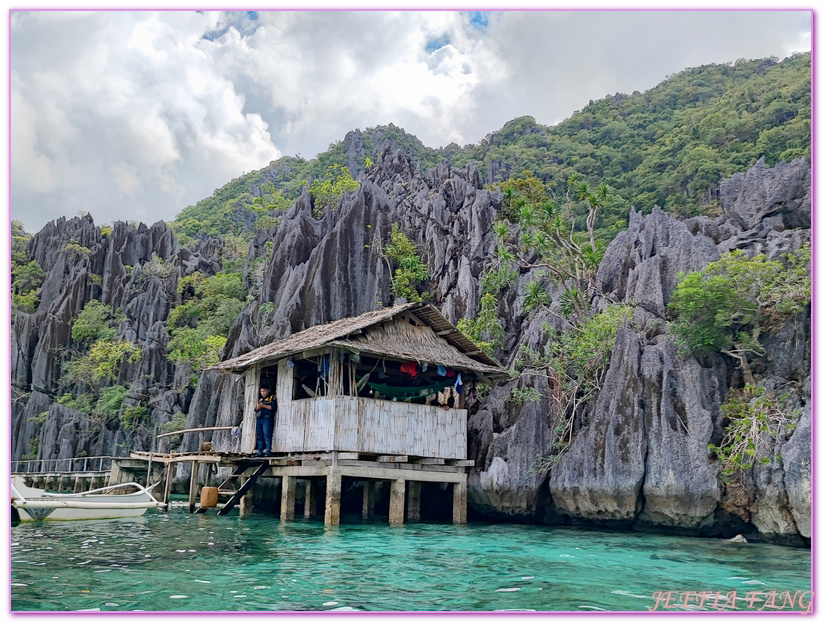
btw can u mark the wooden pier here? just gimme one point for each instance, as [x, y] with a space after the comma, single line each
[374, 404]
[318, 472]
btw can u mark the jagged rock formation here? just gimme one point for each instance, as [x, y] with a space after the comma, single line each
[639, 456]
[82, 263]
[647, 461]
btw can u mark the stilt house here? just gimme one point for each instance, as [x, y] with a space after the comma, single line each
[389, 382]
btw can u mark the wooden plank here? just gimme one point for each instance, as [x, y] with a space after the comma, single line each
[415, 490]
[397, 501]
[430, 461]
[310, 500]
[248, 430]
[244, 493]
[348, 456]
[393, 458]
[246, 503]
[461, 462]
[388, 473]
[197, 458]
[410, 467]
[368, 499]
[288, 492]
[297, 470]
[167, 487]
[460, 496]
[312, 463]
[195, 469]
[333, 492]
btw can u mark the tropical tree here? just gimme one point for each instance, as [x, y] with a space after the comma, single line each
[727, 306]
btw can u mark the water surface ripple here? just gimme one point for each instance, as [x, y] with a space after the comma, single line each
[180, 562]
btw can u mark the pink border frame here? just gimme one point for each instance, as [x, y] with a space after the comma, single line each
[814, 337]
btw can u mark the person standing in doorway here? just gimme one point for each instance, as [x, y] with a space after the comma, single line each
[266, 409]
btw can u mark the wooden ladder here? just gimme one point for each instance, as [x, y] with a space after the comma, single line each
[239, 493]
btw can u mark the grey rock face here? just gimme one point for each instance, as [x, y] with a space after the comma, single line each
[797, 478]
[82, 264]
[748, 198]
[681, 487]
[601, 474]
[329, 268]
[509, 481]
[641, 265]
[640, 448]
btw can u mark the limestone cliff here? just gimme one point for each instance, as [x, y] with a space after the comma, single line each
[639, 456]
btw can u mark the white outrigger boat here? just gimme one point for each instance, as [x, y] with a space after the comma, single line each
[36, 504]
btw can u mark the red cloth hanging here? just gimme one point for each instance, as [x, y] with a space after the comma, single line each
[410, 368]
[450, 373]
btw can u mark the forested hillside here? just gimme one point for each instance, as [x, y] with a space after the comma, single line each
[661, 363]
[670, 146]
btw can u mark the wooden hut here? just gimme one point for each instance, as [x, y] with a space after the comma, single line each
[384, 388]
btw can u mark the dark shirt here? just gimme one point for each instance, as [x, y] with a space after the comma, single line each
[263, 412]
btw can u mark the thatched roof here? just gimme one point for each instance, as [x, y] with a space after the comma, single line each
[428, 338]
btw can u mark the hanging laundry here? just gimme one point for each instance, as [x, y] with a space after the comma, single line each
[450, 374]
[424, 367]
[441, 370]
[446, 397]
[410, 368]
[458, 384]
[324, 365]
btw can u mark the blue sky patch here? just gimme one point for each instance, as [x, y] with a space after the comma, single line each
[435, 44]
[479, 19]
[245, 22]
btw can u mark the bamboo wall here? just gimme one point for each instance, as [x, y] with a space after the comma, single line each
[367, 425]
[351, 424]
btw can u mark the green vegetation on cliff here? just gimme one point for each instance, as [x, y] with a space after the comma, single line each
[730, 303]
[671, 146]
[726, 307]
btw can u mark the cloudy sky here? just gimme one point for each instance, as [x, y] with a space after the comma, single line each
[136, 115]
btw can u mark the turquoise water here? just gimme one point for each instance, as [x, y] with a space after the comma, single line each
[178, 562]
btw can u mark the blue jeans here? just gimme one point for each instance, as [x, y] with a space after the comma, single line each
[264, 432]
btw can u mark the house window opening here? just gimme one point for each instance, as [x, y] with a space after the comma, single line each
[311, 377]
[268, 378]
[406, 381]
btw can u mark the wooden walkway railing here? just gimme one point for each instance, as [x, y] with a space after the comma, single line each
[62, 466]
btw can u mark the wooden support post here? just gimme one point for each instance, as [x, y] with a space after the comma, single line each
[397, 501]
[460, 500]
[195, 471]
[368, 499]
[287, 496]
[115, 473]
[77, 484]
[415, 489]
[167, 485]
[247, 503]
[334, 485]
[310, 507]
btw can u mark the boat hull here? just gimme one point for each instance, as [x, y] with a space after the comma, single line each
[37, 505]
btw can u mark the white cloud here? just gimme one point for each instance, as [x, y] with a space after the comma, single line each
[124, 113]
